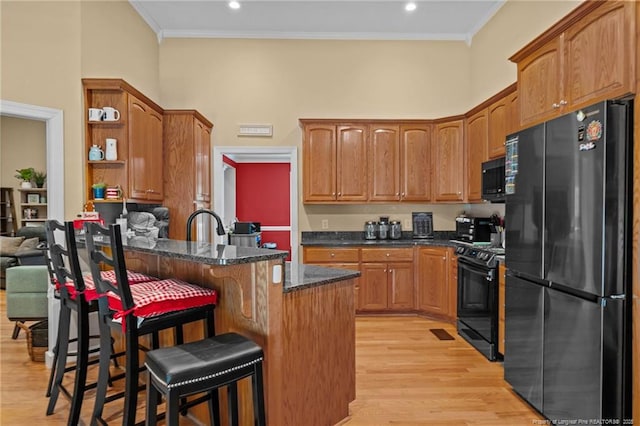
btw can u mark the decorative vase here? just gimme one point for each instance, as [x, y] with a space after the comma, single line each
[98, 193]
[26, 184]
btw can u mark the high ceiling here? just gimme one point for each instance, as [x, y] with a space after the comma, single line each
[318, 19]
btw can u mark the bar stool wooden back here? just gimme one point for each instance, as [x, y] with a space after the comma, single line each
[77, 296]
[135, 311]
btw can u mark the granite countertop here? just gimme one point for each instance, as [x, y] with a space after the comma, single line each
[206, 253]
[300, 276]
[441, 238]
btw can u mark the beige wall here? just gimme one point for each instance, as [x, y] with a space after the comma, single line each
[47, 47]
[256, 81]
[516, 24]
[22, 145]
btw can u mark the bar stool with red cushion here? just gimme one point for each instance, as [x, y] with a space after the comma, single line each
[77, 295]
[136, 311]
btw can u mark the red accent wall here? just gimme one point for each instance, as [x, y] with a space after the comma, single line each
[262, 195]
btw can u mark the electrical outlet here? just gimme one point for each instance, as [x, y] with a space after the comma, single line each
[325, 223]
[406, 224]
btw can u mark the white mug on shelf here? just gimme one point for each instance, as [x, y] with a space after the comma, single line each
[111, 153]
[96, 114]
[111, 114]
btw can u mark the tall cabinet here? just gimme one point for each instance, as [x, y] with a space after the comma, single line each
[138, 168]
[187, 168]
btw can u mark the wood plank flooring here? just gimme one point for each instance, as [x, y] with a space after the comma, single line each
[405, 376]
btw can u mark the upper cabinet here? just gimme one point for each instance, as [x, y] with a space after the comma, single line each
[136, 165]
[400, 162]
[587, 57]
[334, 162]
[415, 162]
[477, 136]
[187, 165]
[498, 115]
[366, 161]
[448, 161]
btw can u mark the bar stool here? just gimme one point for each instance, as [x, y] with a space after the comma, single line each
[77, 295]
[138, 310]
[205, 366]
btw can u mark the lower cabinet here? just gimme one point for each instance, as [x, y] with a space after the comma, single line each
[396, 280]
[387, 281]
[433, 280]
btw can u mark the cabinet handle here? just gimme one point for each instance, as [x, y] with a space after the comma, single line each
[555, 105]
[403, 194]
[387, 254]
[339, 194]
[563, 102]
[333, 194]
[333, 254]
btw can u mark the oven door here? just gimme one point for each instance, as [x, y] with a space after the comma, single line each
[478, 306]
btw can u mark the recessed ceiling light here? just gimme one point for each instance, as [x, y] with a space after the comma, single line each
[233, 4]
[410, 7]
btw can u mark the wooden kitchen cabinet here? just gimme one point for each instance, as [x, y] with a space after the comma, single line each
[187, 167]
[384, 161]
[498, 116]
[332, 257]
[513, 113]
[334, 162]
[448, 160]
[433, 285]
[400, 162]
[586, 57]
[502, 276]
[138, 169]
[145, 152]
[477, 134]
[415, 162]
[387, 281]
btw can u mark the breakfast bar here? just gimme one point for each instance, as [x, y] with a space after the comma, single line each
[303, 317]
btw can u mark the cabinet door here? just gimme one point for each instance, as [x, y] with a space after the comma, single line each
[540, 83]
[384, 163]
[476, 153]
[319, 163]
[433, 285]
[373, 292]
[599, 55]
[415, 162]
[401, 286]
[513, 113]
[448, 160]
[351, 159]
[202, 152]
[498, 117]
[145, 152]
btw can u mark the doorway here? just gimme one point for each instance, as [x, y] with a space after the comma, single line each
[224, 178]
[54, 133]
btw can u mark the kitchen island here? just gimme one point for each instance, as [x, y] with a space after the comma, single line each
[302, 316]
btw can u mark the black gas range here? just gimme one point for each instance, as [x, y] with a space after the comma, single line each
[478, 296]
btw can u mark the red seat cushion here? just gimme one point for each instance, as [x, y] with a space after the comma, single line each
[159, 297]
[90, 292]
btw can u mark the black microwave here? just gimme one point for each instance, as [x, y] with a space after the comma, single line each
[493, 180]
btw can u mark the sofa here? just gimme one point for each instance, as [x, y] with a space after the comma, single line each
[26, 248]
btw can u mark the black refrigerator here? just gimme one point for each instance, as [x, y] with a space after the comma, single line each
[568, 253]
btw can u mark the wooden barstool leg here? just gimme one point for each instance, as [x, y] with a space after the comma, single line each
[63, 335]
[258, 395]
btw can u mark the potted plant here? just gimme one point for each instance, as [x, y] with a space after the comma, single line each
[25, 175]
[39, 178]
[98, 190]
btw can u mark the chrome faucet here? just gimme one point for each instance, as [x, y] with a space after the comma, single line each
[220, 228]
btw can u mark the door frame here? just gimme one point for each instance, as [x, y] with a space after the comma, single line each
[54, 133]
[254, 154]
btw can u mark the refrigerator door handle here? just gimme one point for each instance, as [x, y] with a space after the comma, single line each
[617, 296]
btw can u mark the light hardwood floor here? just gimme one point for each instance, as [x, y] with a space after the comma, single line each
[405, 376]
